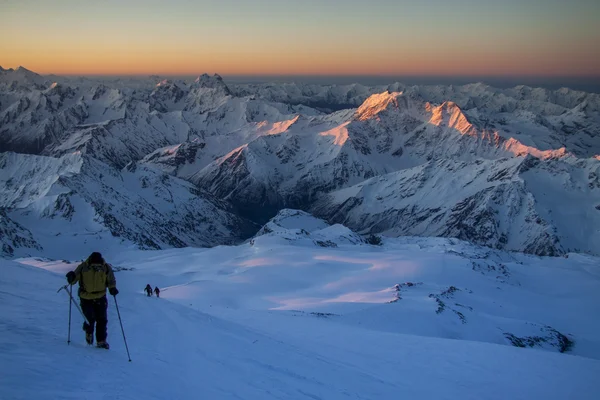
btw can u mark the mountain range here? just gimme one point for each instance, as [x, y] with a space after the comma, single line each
[158, 163]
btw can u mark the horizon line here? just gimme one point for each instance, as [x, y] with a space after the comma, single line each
[329, 75]
[315, 75]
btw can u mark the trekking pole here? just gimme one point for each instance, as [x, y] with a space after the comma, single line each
[70, 303]
[122, 330]
[74, 302]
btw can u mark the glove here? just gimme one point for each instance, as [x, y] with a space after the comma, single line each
[113, 291]
[71, 277]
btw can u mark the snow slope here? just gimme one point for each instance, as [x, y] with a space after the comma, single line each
[291, 319]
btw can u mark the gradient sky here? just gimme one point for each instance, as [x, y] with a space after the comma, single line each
[303, 37]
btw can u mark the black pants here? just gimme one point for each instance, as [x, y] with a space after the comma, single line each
[95, 312]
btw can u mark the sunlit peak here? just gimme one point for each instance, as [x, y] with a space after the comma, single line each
[377, 103]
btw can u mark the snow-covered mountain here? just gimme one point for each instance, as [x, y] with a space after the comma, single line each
[119, 124]
[21, 79]
[51, 204]
[324, 97]
[471, 174]
[545, 119]
[301, 228]
[334, 150]
[545, 207]
[13, 236]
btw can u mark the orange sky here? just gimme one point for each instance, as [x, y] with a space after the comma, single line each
[301, 38]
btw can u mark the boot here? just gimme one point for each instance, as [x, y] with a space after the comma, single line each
[103, 345]
[89, 338]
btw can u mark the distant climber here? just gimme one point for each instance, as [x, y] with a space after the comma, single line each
[157, 291]
[148, 290]
[94, 276]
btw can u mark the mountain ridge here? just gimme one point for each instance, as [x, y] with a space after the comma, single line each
[261, 148]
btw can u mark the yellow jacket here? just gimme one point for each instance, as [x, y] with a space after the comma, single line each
[94, 279]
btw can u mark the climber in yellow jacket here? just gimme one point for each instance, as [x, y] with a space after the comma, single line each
[94, 276]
